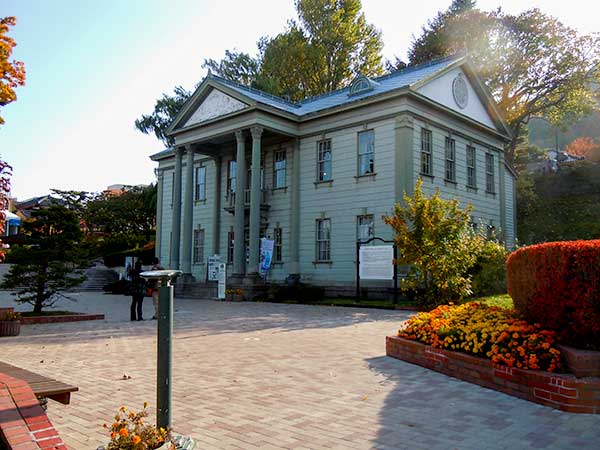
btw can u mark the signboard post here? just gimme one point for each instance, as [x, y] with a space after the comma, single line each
[212, 272]
[376, 262]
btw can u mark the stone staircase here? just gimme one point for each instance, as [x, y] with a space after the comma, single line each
[97, 276]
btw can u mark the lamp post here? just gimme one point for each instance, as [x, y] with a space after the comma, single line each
[164, 347]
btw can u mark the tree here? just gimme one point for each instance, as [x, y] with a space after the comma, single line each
[532, 64]
[5, 173]
[165, 110]
[131, 213]
[586, 147]
[326, 47]
[12, 73]
[44, 266]
[324, 50]
[435, 240]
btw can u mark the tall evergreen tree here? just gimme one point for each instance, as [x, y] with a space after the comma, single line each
[43, 267]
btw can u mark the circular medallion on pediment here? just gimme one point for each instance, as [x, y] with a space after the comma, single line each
[460, 91]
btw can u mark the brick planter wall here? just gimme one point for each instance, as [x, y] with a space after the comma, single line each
[60, 319]
[560, 391]
[23, 423]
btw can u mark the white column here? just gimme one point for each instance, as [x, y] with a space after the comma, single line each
[239, 257]
[188, 210]
[159, 212]
[176, 222]
[255, 201]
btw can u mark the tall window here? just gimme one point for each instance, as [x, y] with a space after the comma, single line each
[231, 177]
[490, 184]
[426, 163]
[450, 159]
[279, 167]
[198, 246]
[365, 227]
[324, 160]
[277, 248]
[229, 247]
[201, 183]
[323, 240]
[471, 167]
[366, 152]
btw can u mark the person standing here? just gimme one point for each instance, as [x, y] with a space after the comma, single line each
[155, 286]
[138, 291]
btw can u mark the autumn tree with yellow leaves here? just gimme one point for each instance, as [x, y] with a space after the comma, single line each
[12, 73]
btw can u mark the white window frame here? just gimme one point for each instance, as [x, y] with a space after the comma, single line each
[363, 221]
[198, 245]
[490, 177]
[200, 193]
[231, 176]
[366, 153]
[324, 163]
[426, 154]
[471, 166]
[450, 165]
[323, 240]
[279, 169]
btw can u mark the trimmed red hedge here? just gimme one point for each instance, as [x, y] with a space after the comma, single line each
[557, 285]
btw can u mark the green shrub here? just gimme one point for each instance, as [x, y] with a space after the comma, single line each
[435, 239]
[489, 272]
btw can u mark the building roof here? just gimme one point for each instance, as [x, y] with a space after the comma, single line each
[396, 80]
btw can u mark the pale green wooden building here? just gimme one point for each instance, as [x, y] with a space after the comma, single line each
[318, 174]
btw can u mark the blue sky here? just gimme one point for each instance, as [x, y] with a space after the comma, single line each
[94, 67]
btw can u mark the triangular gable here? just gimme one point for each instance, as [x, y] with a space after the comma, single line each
[459, 89]
[216, 104]
[210, 100]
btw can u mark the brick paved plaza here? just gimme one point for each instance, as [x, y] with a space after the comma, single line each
[268, 376]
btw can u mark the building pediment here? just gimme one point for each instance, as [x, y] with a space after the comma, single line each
[215, 104]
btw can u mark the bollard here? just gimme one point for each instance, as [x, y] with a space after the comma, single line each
[164, 354]
[164, 357]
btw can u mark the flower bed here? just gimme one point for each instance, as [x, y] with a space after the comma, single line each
[487, 331]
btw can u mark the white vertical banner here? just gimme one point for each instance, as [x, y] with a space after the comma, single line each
[266, 255]
[221, 277]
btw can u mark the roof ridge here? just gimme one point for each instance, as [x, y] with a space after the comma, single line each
[395, 73]
[254, 90]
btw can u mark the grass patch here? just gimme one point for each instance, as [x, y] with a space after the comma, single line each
[349, 302]
[503, 301]
[48, 313]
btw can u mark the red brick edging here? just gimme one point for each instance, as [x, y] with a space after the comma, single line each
[23, 423]
[560, 391]
[60, 319]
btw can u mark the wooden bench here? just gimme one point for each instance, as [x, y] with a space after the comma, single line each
[42, 387]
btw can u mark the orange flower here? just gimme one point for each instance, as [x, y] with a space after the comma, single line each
[136, 439]
[124, 432]
[113, 435]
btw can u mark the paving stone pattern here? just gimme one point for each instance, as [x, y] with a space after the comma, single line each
[268, 376]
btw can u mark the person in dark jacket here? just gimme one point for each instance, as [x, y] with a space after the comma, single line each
[138, 291]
